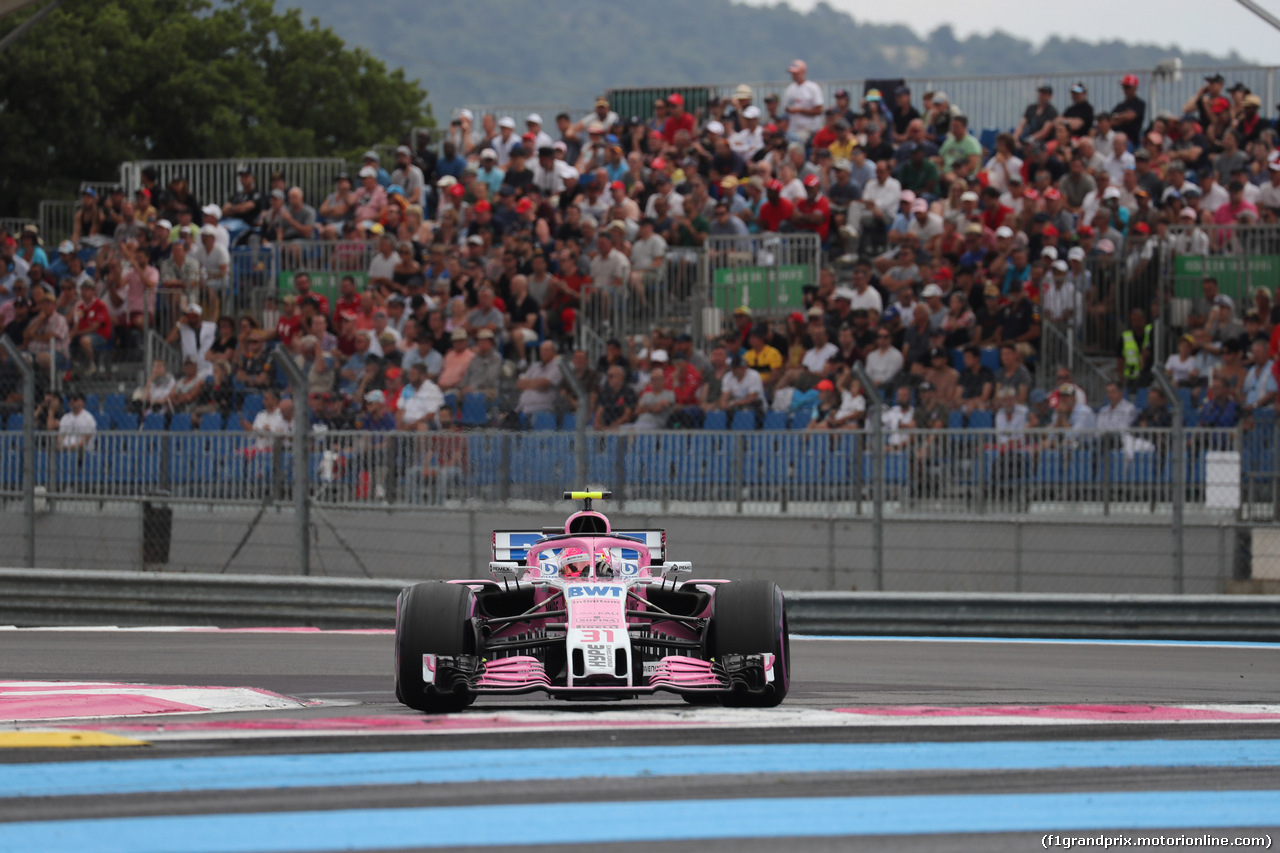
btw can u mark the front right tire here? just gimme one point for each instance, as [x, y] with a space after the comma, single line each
[432, 618]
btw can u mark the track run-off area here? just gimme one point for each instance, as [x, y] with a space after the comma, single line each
[139, 740]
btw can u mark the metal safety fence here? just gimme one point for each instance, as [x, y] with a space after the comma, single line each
[957, 472]
[218, 180]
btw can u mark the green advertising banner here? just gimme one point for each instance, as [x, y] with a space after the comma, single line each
[761, 288]
[1236, 275]
[323, 283]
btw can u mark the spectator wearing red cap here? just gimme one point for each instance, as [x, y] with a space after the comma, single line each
[813, 212]
[776, 209]
[1128, 116]
[677, 119]
[838, 408]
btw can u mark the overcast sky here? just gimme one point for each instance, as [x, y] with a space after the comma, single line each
[1213, 25]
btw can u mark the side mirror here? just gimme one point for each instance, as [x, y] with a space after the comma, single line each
[505, 572]
[672, 568]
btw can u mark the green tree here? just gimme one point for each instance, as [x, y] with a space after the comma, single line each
[97, 83]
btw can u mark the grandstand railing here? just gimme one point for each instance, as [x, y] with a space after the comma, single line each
[218, 180]
[957, 472]
[57, 220]
[990, 101]
[765, 272]
[667, 297]
[14, 224]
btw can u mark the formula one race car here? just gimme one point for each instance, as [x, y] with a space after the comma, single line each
[586, 612]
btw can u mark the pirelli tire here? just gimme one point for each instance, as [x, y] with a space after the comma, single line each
[432, 618]
[750, 618]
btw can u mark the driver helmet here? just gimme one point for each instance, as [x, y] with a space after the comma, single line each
[574, 562]
[604, 565]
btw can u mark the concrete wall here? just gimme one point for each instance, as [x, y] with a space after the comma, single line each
[943, 555]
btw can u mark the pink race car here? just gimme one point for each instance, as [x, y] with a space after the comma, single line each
[587, 612]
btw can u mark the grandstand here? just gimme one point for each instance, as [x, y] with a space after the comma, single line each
[798, 285]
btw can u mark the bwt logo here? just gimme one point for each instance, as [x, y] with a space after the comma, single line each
[594, 591]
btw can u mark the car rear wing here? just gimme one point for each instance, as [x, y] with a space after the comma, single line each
[514, 545]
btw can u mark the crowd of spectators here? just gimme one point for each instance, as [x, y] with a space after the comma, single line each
[944, 259]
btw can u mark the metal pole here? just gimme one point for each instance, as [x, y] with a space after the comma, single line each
[301, 453]
[580, 432]
[1179, 461]
[28, 448]
[874, 407]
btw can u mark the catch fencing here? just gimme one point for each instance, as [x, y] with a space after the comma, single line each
[807, 473]
[1045, 511]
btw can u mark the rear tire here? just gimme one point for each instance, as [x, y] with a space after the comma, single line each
[750, 618]
[432, 618]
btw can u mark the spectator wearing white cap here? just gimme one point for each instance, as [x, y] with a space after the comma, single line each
[215, 261]
[749, 140]
[506, 139]
[408, 176]
[541, 139]
[1058, 301]
[490, 173]
[802, 101]
[194, 335]
[371, 159]
[370, 198]
[213, 216]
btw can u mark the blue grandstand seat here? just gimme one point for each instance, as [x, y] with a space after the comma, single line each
[451, 400]
[475, 409]
[1184, 394]
[1190, 416]
[114, 403]
[1070, 466]
[956, 420]
[987, 138]
[14, 423]
[91, 403]
[1140, 399]
[211, 422]
[981, 420]
[232, 423]
[153, 422]
[569, 422]
[743, 419]
[544, 421]
[775, 420]
[991, 359]
[957, 359]
[251, 406]
[122, 419]
[716, 419]
[180, 422]
[802, 418]
[102, 419]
